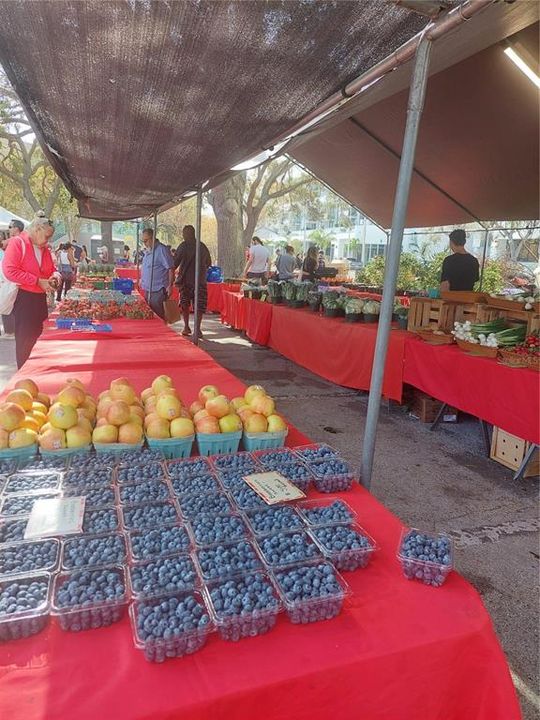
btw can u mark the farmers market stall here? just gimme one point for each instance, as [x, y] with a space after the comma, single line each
[390, 633]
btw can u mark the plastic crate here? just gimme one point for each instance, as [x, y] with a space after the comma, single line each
[130, 522]
[218, 443]
[237, 529]
[285, 518]
[123, 285]
[234, 626]
[91, 543]
[92, 615]
[185, 643]
[173, 447]
[427, 571]
[68, 323]
[347, 559]
[265, 440]
[24, 623]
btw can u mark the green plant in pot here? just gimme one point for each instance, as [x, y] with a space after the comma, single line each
[371, 311]
[331, 303]
[402, 314]
[314, 300]
[289, 292]
[353, 309]
[274, 291]
[302, 293]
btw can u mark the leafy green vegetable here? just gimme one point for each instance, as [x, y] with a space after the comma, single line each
[353, 305]
[372, 307]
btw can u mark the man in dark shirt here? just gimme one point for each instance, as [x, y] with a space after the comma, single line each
[184, 260]
[460, 271]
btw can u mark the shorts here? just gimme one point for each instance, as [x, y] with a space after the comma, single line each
[187, 296]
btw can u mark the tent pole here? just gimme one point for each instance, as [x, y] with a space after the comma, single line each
[486, 235]
[153, 258]
[198, 224]
[137, 260]
[414, 112]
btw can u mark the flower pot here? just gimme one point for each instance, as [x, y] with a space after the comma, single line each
[297, 303]
[314, 307]
[369, 318]
[394, 317]
[402, 322]
[331, 312]
[353, 317]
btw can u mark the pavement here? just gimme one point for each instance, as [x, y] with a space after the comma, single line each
[433, 480]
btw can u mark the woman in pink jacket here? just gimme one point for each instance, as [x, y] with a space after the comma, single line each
[28, 263]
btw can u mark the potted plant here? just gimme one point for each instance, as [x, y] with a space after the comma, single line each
[302, 292]
[314, 300]
[274, 291]
[371, 311]
[402, 314]
[330, 302]
[289, 292]
[353, 309]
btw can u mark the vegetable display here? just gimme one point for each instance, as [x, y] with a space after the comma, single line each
[372, 307]
[490, 334]
[353, 305]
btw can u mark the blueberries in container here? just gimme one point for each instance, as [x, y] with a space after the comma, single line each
[29, 557]
[195, 485]
[245, 497]
[163, 541]
[316, 451]
[273, 519]
[311, 592]
[236, 461]
[12, 530]
[244, 606]
[212, 504]
[87, 551]
[143, 456]
[347, 548]
[32, 481]
[320, 512]
[166, 575]
[215, 529]
[331, 475]
[222, 561]
[272, 459]
[90, 598]
[96, 497]
[24, 606]
[425, 557]
[100, 521]
[88, 477]
[190, 467]
[22, 504]
[146, 491]
[139, 473]
[288, 548]
[149, 516]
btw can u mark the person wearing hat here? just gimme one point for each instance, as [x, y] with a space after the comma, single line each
[460, 271]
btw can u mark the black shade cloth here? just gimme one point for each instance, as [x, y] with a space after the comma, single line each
[137, 101]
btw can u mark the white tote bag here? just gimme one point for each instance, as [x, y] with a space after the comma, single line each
[8, 290]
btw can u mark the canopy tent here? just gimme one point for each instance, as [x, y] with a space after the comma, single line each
[6, 216]
[137, 102]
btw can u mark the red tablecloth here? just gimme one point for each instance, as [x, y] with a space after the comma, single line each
[503, 396]
[258, 320]
[215, 295]
[338, 351]
[233, 311]
[399, 650]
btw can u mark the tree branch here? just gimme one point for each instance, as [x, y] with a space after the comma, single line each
[287, 189]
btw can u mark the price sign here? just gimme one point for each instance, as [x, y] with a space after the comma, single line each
[273, 487]
[55, 516]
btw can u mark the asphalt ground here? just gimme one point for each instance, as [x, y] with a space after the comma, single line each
[434, 480]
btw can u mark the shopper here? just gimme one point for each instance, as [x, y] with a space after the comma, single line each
[286, 264]
[127, 252]
[460, 271]
[258, 263]
[15, 227]
[310, 264]
[184, 260]
[7, 320]
[157, 273]
[28, 262]
[321, 264]
[65, 261]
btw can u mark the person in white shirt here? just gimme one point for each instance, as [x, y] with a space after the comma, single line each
[258, 262]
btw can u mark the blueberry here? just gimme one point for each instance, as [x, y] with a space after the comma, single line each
[12, 530]
[273, 458]
[244, 606]
[95, 462]
[22, 504]
[28, 557]
[295, 471]
[88, 477]
[140, 473]
[190, 467]
[194, 485]
[146, 491]
[331, 475]
[215, 529]
[245, 497]
[287, 548]
[7, 466]
[224, 560]
[86, 551]
[163, 576]
[309, 453]
[310, 592]
[273, 519]
[348, 549]
[153, 543]
[149, 515]
[26, 597]
[334, 513]
[33, 480]
[100, 521]
[236, 461]
[44, 463]
[212, 504]
[90, 598]
[425, 557]
[96, 497]
[140, 457]
[229, 478]
[172, 627]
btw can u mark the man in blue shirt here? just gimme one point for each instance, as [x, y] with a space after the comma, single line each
[162, 275]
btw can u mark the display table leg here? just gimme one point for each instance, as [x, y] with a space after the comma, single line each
[525, 462]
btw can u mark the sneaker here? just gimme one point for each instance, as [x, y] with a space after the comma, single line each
[186, 331]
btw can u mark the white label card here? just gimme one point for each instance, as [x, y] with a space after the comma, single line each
[55, 516]
[273, 487]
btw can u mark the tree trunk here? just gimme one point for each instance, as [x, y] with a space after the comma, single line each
[106, 238]
[226, 200]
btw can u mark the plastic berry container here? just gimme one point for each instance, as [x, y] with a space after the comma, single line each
[245, 497]
[138, 517]
[33, 481]
[236, 461]
[295, 547]
[312, 607]
[49, 462]
[12, 531]
[211, 504]
[129, 474]
[316, 513]
[315, 451]
[139, 493]
[297, 472]
[17, 506]
[20, 623]
[274, 457]
[176, 640]
[211, 530]
[189, 467]
[331, 538]
[96, 522]
[230, 478]
[40, 556]
[240, 620]
[156, 543]
[269, 520]
[195, 485]
[139, 456]
[97, 498]
[429, 571]
[227, 560]
[153, 578]
[331, 475]
[92, 614]
[86, 551]
[9, 465]
[83, 477]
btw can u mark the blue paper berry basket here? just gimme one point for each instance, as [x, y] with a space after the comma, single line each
[218, 443]
[116, 447]
[124, 285]
[68, 323]
[173, 448]
[264, 440]
[65, 452]
[22, 453]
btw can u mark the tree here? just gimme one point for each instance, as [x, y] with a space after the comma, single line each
[239, 202]
[520, 239]
[322, 238]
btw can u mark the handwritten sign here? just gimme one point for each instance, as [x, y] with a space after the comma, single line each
[273, 487]
[55, 516]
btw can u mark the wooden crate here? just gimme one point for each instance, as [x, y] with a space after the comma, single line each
[464, 296]
[430, 314]
[513, 315]
[425, 408]
[509, 450]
